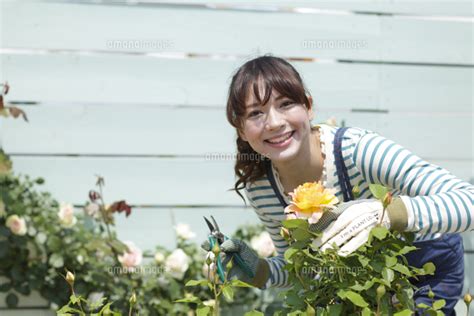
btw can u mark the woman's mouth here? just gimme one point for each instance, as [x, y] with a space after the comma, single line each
[281, 140]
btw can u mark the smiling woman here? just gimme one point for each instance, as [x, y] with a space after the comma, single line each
[267, 97]
[272, 112]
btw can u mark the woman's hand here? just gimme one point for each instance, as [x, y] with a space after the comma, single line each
[351, 229]
[258, 266]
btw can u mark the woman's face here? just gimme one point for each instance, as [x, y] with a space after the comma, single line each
[278, 129]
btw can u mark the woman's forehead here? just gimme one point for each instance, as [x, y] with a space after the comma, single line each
[252, 99]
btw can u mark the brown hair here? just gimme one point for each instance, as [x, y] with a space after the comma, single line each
[273, 73]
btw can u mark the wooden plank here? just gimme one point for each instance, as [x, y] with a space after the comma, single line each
[141, 181]
[426, 7]
[186, 30]
[204, 82]
[148, 130]
[148, 228]
[383, 38]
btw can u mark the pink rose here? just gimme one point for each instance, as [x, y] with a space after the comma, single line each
[16, 224]
[132, 257]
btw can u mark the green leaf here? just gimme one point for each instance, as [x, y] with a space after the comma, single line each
[238, 283]
[66, 310]
[429, 268]
[191, 299]
[301, 234]
[390, 261]
[406, 250]
[388, 275]
[366, 312]
[335, 310]
[228, 293]
[439, 304]
[54, 243]
[364, 261]
[341, 294]
[254, 313]
[295, 223]
[203, 311]
[378, 190]
[11, 300]
[405, 312]
[379, 232]
[289, 253]
[402, 269]
[74, 299]
[356, 299]
[204, 282]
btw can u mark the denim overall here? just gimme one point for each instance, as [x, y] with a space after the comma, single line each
[446, 252]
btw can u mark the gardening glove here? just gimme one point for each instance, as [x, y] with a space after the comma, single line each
[351, 229]
[258, 266]
[330, 216]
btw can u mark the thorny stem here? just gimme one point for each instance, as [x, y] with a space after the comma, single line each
[109, 233]
[80, 304]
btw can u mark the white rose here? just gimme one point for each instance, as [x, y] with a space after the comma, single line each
[66, 215]
[177, 264]
[132, 257]
[16, 224]
[95, 297]
[263, 244]
[93, 210]
[210, 303]
[159, 257]
[184, 231]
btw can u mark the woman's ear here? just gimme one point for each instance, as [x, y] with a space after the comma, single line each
[241, 135]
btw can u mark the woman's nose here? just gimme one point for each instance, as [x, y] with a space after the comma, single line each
[274, 120]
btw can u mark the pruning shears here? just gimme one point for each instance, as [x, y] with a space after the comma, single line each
[216, 236]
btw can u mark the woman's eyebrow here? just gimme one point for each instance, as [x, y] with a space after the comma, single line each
[257, 104]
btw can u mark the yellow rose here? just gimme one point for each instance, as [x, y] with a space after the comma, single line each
[310, 200]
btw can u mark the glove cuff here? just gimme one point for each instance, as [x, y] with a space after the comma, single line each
[398, 214]
[262, 274]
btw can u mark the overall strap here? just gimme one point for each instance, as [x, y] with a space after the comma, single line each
[342, 174]
[271, 178]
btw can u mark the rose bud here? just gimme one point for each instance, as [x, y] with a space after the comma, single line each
[387, 199]
[94, 195]
[70, 278]
[356, 191]
[467, 299]
[133, 299]
[216, 249]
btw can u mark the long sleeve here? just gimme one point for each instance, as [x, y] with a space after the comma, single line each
[436, 201]
[278, 276]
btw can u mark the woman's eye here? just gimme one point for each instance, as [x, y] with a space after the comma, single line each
[254, 113]
[287, 103]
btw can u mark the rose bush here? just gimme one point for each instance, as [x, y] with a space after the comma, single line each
[43, 237]
[374, 280]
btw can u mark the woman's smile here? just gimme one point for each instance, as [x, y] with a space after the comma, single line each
[280, 141]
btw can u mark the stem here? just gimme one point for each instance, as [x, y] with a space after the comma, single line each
[80, 304]
[130, 310]
[383, 214]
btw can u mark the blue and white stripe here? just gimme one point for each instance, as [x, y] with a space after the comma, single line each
[437, 202]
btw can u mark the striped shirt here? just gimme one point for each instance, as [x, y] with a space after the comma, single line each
[437, 202]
